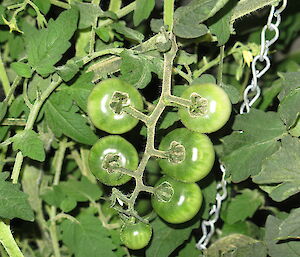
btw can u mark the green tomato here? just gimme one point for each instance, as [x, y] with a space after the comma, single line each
[106, 113]
[211, 109]
[127, 157]
[143, 206]
[136, 236]
[198, 158]
[184, 203]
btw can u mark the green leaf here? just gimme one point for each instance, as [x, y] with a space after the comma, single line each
[232, 92]
[142, 11]
[129, 33]
[168, 120]
[68, 193]
[30, 184]
[290, 227]
[136, 69]
[167, 238]
[275, 248]
[290, 81]
[13, 202]
[237, 245]
[81, 89]
[281, 170]
[29, 143]
[220, 24]
[289, 108]
[185, 58]
[70, 69]
[244, 152]
[62, 118]
[188, 19]
[88, 238]
[45, 47]
[88, 14]
[242, 227]
[43, 5]
[243, 206]
[189, 249]
[22, 69]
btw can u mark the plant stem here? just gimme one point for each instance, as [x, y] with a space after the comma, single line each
[114, 5]
[169, 14]
[57, 163]
[8, 241]
[220, 68]
[60, 4]
[4, 78]
[29, 125]
[120, 13]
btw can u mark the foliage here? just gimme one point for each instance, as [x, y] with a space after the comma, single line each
[53, 52]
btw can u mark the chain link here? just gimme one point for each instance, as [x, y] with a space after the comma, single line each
[251, 94]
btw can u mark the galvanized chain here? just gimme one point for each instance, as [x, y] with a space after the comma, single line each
[251, 94]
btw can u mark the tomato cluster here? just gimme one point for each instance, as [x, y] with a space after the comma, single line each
[186, 156]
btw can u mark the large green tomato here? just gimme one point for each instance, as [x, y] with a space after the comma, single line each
[136, 236]
[183, 205]
[198, 158]
[127, 157]
[106, 112]
[210, 111]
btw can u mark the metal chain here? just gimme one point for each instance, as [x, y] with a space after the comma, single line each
[208, 226]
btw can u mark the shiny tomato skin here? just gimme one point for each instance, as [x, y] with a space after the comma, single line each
[218, 111]
[101, 113]
[183, 205]
[136, 236]
[112, 145]
[199, 155]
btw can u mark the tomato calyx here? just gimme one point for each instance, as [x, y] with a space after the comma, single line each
[118, 101]
[176, 153]
[164, 192]
[199, 105]
[111, 162]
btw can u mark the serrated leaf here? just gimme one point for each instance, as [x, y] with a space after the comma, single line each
[168, 120]
[22, 69]
[237, 245]
[129, 33]
[220, 24]
[167, 238]
[275, 248]
[45, 47]
[70, 69]
[88, 14]
[88, 238]
[188, 19]
[13, 202]
[290, 81]
[289, 108]
[290, 227]
[185, 58]
[244, 152]
[29, 143]
[62, 118]
[142, 11]
[282, 169]
[243, 206]
[136, 69]
[81, 89]
[232, 92]
[68, 193]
